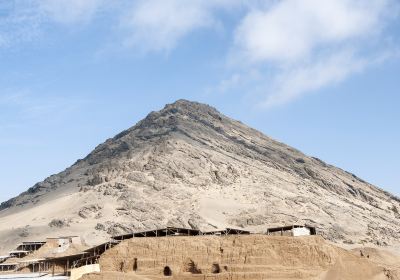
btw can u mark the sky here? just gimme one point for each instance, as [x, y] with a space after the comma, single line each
[321, 76]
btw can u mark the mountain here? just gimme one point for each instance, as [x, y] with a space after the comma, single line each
[190, 166]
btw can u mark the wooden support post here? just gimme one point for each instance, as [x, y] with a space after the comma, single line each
[67, 267]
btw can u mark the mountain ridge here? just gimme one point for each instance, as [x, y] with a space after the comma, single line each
[189, 165]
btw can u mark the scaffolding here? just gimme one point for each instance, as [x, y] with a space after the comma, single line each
[289, 230]
[168, 231]
[30, 246]
[4, 258]
[19, 254]
[8, 267]
[227, 231]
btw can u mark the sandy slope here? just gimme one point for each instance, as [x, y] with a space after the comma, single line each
[190, 166]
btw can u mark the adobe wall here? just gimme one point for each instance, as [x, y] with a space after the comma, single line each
[79, 272]
[251, 257]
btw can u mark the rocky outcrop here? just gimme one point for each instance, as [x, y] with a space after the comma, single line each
[188, 165]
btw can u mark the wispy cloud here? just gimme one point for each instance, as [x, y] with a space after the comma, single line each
[19, 22]
[285, 48]
[291, 83]
[310, 44]
[152, 25]
[30, 108]
[9, 99]
[22, 21]
[155, 25]
[292, 30]
[70, 11]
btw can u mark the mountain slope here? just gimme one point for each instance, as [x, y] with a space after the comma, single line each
[188, 165]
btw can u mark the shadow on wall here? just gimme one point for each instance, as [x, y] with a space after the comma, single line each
[135, 266]
[215, 269]
[167, 271]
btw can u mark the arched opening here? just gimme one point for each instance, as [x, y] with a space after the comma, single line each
[215, 268]
[135, 267]
[167, 271]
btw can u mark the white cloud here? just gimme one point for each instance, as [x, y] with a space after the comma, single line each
[152, 25]
[19, 22]
[296, 46]
[30, 107]
[69, 11]
[158, 25]
[294, 82]
[12, 98]
[22, 21]
[293, 29]
[307, 43]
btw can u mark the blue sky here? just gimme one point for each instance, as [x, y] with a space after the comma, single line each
[321, 76]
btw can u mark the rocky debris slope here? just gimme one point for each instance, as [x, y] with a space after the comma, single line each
[190, 166]
[236, 257]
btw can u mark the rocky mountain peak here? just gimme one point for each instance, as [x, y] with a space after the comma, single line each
[188, 165]
[187, 107]
[182, 118]
[180, 110]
